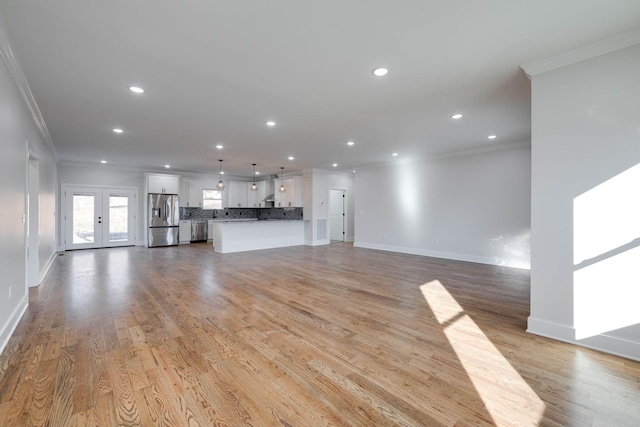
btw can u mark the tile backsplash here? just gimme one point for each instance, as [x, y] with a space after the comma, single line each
[236, 213]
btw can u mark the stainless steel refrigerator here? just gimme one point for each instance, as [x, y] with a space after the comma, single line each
[163, 217]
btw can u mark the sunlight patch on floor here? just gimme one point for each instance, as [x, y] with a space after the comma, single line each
[506, 396]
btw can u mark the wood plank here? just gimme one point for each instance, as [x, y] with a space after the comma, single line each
[327, 335]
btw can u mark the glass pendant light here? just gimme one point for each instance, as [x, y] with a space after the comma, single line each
[254, 187]
[220, 184]
[282, 187]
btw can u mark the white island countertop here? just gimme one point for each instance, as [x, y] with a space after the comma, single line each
[252, 234]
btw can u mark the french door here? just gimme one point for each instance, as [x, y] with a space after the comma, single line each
[99, 217]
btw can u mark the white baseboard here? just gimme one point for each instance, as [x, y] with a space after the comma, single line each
[47, 266]
[603, 342]
[437, 254]
[316, 242]
[11, 323]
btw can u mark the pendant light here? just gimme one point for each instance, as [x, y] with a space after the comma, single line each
[220, 184]
[254, 187]
[282, 187]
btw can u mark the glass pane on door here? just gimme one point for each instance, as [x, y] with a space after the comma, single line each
[118, 218]
[83, 219]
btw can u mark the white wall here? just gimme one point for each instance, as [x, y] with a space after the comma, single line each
[467, 207]
[585, 212]
[316, 185]
[18, 131]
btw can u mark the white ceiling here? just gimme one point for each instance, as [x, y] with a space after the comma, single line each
[215, 71]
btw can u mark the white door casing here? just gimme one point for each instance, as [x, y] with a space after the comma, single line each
[97, 217]
[33, 219]
[337, 214]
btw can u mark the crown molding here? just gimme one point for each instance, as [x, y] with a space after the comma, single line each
[611, 44]
[450, 154]
[19, 78]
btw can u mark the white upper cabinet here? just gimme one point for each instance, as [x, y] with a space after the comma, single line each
[237, 194]
[190, 193]
[165, 184]
[241, 195]
[255, 199]
[292, 197]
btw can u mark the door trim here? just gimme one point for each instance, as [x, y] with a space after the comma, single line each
[345, 213]
[33, 220]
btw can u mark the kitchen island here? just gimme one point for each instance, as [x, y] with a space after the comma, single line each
[253, 234]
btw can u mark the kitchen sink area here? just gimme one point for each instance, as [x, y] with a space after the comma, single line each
[203, 225]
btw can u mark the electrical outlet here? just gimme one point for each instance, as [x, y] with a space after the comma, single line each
[10, 293]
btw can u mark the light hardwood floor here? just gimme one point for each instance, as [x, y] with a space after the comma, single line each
[304, 336]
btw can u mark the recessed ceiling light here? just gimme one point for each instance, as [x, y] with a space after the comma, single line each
[354, 171]
[271, 123]
[167, 166]
[456, 116]
[257, 173]
[350, 143]
[103, 161]
[394, 154]
[117, 130]
[381, 71]
[221, 172]
[136, 89]
[219, 146]
[290, 157]
[492, 137]
[335, 165]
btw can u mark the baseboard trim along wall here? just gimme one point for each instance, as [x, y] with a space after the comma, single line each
[47, 266]
[317, 242]
[602, 342]
[436, 254]
[12, 323]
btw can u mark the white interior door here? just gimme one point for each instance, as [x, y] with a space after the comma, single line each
[99, 217]
[336, 215]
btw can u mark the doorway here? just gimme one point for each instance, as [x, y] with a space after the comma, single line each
[337, 215]
[99, 217]
[33, 221]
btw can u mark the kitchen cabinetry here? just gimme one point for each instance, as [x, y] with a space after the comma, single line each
[190, 193]
[165, 184]
[184, 231]
[255, 198]
[293, 195]
[241, 196]
[238, 194]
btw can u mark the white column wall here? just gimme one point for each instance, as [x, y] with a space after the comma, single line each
[468, 207]
[585, 131]
[18, 131]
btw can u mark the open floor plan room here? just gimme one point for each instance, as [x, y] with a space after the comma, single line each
[299, 336]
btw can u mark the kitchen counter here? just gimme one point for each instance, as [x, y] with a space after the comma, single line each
[249, 219]
[232, 219]
[253, 234]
